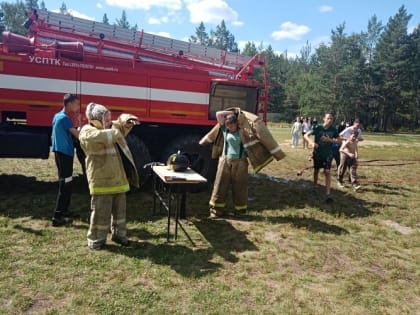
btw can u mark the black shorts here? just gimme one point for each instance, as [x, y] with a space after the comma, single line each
[322, 163]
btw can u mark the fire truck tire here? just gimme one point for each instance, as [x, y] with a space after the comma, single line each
[141, 156]
[199, 156]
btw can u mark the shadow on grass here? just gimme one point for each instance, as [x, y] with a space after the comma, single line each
[382, 188]
[37, 199]
[300, 222]
[21, 183]
[270, 192]
[183, 260]
[25, 196]
[224, 238]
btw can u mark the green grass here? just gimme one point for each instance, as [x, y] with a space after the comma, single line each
[291, 253]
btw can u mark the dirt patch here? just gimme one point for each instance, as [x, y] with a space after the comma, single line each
[405, 230]
[378, 143]
[40, 305]
[368, 142]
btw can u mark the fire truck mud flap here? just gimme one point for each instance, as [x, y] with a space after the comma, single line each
[199, 156]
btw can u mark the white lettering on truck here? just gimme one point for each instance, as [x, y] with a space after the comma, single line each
[45, 60]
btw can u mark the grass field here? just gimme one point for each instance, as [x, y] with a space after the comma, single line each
[291, 254]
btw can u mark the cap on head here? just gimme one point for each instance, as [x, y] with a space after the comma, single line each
[96, 111]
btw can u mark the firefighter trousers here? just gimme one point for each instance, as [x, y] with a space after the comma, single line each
[106, 208]
[234, 174]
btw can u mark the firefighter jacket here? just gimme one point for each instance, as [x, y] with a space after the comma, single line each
[105, 149]
[260, 146]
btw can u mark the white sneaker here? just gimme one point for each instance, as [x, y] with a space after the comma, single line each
[340, 184]
[356, 187]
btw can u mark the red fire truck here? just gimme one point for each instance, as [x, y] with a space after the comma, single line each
[174, 87]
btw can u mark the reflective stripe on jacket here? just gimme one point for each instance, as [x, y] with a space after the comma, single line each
[104, 166]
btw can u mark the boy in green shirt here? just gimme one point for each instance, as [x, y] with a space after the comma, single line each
[325, 136]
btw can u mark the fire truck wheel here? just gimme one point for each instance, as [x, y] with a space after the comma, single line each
[141, 156]
[199, 156]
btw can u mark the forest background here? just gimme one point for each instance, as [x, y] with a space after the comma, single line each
[373, 75]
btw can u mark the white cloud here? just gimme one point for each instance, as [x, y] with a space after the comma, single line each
[99, 5]
[76, 14]
[325, 8]
[211, 11]
[164, 34]
[242, 43]
[157, 21]
[290, 30]
[238, 23]
[145, 4]
[153, 21]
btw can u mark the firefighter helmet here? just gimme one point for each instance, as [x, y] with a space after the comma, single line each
[178, 162]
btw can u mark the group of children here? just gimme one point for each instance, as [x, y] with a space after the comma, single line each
[301, 126]
[326, 139]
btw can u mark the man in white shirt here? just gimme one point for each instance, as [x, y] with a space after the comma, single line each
[346, 133]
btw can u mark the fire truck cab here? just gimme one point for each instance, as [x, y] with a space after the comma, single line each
[174, 87]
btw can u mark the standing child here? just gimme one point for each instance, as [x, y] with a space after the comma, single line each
[348, 159]
[232, 170]
[296, 131]
[306, 126]
[325, 136]
[63, 148]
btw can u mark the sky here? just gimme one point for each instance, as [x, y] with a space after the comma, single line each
[285, 25]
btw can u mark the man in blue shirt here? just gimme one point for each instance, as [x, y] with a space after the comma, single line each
[63, 148]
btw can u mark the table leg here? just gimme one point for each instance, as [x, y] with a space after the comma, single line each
[169, 211]
[154, 194]
[177, 206]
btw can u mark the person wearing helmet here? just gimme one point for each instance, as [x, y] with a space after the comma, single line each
[108, 180]
[232, 170]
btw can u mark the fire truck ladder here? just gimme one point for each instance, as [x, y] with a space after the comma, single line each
[60, 24]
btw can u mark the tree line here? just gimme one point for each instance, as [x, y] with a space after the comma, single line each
[372, 75]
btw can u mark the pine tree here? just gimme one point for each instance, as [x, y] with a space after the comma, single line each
[14, 16]
[123, 21]
[250, 49]
[392, 68]
[105, 19]
[31, 4]
[63, 9]
[222, 38]
[201, 37]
